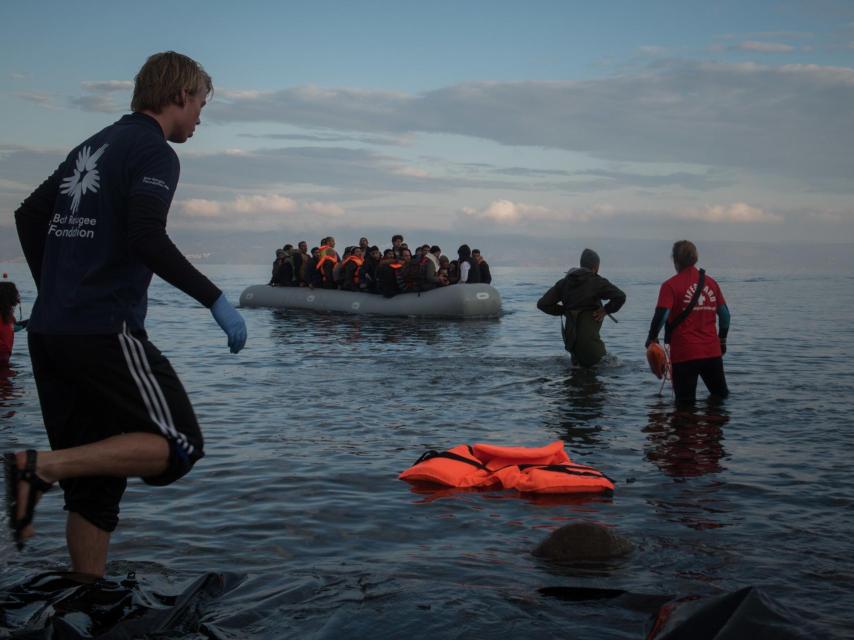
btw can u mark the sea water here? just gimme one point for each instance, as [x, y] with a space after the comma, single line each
[307, 428]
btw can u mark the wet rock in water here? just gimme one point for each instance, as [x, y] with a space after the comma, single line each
[583, 541]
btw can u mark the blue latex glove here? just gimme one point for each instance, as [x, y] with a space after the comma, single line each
[231, 322]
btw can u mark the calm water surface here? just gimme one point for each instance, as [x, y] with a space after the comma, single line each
[307, 429]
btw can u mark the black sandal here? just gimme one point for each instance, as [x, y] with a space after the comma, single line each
[14, 477]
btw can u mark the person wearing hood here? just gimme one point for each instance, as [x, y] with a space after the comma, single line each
[578, 297]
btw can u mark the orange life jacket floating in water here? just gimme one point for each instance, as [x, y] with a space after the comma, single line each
[526, 469]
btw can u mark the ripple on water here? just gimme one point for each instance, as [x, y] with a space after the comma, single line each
[307, 429]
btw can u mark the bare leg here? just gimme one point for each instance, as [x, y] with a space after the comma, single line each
[87, 545]
[127, 455]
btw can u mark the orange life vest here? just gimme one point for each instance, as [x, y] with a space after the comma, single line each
[554, 478]
[327, 254]
[495, 457]
[457, 467]
[358, 261]
[543, 470]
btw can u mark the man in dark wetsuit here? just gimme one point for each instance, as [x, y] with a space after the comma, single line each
[696, 346]
[578, 296]
[93, 233]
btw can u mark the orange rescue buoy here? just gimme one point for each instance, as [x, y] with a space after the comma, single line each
[656, 356]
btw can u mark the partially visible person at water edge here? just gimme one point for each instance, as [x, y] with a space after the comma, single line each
[9, 299]
[578, 297]
[93, 234]
[687, 306]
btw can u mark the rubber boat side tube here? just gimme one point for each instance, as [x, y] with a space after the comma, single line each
[526, 469]
[455, 301]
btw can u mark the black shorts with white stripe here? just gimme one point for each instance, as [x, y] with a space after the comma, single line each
[92, 387]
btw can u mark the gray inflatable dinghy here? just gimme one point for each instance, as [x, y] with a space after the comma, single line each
[455, 301]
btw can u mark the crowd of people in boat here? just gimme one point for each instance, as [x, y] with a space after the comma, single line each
[363, 267]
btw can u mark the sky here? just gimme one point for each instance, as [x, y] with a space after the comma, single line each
[716, 121]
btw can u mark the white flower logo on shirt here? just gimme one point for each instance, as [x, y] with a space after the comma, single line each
[85, 178]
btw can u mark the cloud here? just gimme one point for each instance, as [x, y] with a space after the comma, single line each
[397, 141]
[414, 172]
[790, 119]
[254, 211]
[765, 47]
[324, 208]
[201, 208]
[652, 50]
[828, 216]
[739, 213]
[620, 179]
[506, 212]
[101, 103]
[42, 99]
[527, 172]
[100, 96]
[107, 86]
[357, 172]
[264, 204]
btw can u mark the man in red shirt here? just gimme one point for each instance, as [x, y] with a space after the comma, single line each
[696, 345]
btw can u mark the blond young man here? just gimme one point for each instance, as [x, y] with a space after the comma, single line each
[93, 233]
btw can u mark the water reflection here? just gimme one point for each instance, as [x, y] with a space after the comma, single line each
[428, 492]
[8, 392]
[303, 326]
[576, 402]
[685, 443]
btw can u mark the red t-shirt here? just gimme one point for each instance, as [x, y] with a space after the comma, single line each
[7, 339]
[697, 336]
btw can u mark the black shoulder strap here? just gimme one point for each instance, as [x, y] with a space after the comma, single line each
[670, 326]
[429, 455]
